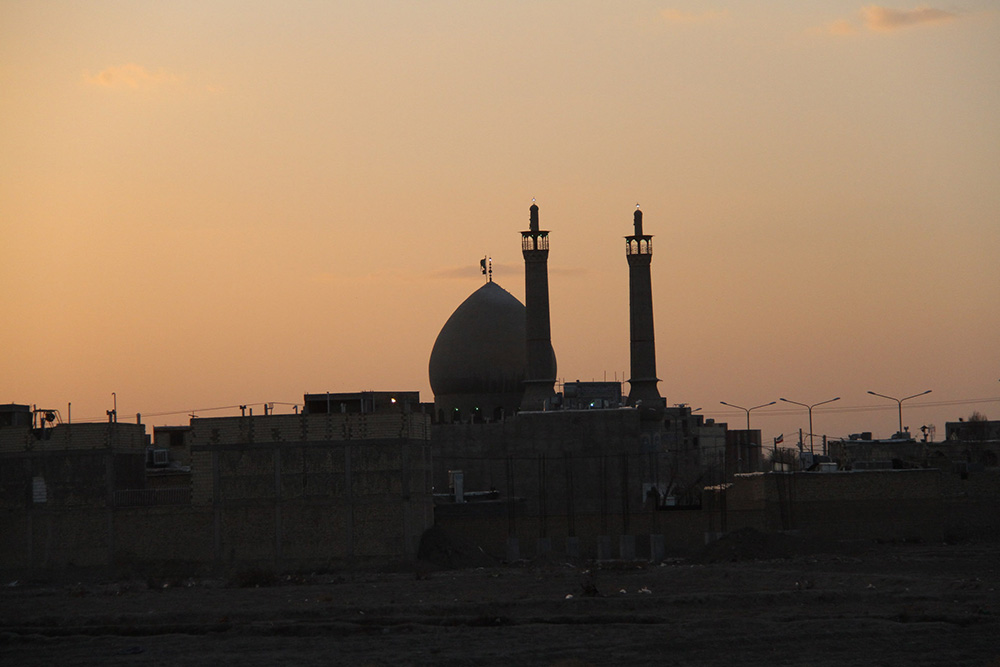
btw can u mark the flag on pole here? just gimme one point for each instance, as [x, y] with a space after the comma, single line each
[482, 265]
[780, 439]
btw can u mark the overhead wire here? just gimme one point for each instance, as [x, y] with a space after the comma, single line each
[862, 408]
[193, 411]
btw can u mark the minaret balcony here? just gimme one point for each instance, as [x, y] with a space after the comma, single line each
[639, 245]
[534, 241]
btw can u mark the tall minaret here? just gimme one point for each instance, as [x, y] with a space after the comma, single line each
[540, 380]
[639, 251]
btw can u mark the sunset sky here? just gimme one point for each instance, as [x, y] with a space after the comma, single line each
[208, 204]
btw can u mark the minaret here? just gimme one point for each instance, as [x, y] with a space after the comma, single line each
[639, 252]
[540, 380]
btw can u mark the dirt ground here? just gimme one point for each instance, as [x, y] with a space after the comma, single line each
[748, 599]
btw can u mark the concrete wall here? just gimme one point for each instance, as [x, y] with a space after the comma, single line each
[926, 505]
[311, 503]
[316, 503]
[54, 538]
[971, 504]
[73, 436]
[313, 489]
[542, 454]
[885, 504]
[69, 477]
[528, 456]
[943, 455]
[284, 492]
[490, 528]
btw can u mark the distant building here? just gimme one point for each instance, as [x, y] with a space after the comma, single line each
[362, 402]
[954, 454]
[743, 451]
[168, 461]
[13, 414]
[972, 430]
[45, 463]
[317, 489]
[592, 395]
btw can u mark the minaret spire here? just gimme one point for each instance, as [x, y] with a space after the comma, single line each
[539, 385]
[639, 252]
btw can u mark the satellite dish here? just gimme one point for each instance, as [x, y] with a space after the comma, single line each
[50, 416]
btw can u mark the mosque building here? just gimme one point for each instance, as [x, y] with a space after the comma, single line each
[499, 421]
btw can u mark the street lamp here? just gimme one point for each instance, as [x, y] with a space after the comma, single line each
[810, 408]
[748, 409]
[899, 401]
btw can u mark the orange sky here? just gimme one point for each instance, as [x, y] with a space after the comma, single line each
[213, 204]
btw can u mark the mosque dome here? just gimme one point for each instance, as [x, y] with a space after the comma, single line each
[478, 363]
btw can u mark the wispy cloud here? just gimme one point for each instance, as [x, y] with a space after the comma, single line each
[463, 272]
[132, 76]
[466, 271]
[884, 19]
[842, 27]
[678, 16]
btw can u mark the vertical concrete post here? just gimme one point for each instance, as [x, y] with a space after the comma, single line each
[277, 504]
[626, 547]
[349, 495]
[216, 507]
[603, 547]
[657, 548]
[513, 550]
[544, 546]
[30, 519]
[109, 467]
[572, 547]
[407, 548]
[458, 485]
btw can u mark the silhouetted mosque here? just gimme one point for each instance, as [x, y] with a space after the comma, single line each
[494, 356]
[500, 423]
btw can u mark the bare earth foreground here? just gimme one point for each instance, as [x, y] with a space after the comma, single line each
[747, 599]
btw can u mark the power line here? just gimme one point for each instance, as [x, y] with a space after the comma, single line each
[193, 411]
[781, 412]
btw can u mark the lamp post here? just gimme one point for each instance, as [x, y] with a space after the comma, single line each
[810, 408]
[899, 402]
[747, 410]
